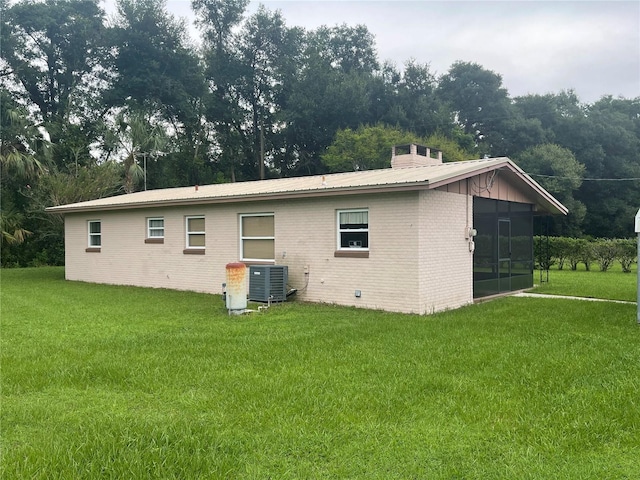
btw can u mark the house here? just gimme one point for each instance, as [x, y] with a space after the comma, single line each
[421, 236]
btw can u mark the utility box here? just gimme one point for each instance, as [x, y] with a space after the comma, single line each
[236, 294]
[268, 283]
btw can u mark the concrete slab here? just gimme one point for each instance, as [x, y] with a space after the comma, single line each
[568, 297]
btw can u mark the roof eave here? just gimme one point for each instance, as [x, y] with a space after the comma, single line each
[359, 190]
[544, 199]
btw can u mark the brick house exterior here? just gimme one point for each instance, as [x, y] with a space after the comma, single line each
[399, 239]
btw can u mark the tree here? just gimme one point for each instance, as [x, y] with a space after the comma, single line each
[450, 147]
[545, 109]
[414, 105]
[46, 245]
[249, 71]
[20, 143]
[154, 68]
[605, 138]
[366, 148]
[268, 51]
[13, 233]
[609, 151]
[332, 91]
[345, 48]
[219, 21]
[518, 133]
[369, 147]
[53, 50]
[23, 153]
[558, 171]
[158, 78]
[136, 138]
[479, 102]
[323, 101]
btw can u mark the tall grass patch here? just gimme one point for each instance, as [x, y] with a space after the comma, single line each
[118, 382]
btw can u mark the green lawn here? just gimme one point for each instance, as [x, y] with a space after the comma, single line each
[613, 284]
[129, 383]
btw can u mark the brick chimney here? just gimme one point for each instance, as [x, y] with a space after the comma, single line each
[403, 156]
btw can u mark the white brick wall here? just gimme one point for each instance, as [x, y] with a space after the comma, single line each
[446, 264]
[306, 231]
[418, 262]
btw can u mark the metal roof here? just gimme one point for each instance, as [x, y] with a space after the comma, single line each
[367, 181]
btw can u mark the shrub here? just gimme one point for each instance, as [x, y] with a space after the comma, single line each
[577, 252]
[549, 251]
[542, 250]
[561, 249]
[627, 253]
[605, 252]
[586, 255]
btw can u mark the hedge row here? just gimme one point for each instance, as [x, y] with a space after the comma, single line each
[573, 251]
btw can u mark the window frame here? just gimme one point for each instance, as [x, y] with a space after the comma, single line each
[91, 245]
[351, 251]
[199, 249]
[263, 237]
[154, 238]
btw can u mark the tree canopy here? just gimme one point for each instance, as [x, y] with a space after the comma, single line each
[559, 172]
[103, 106]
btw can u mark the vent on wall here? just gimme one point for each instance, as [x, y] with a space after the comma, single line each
[268, 283]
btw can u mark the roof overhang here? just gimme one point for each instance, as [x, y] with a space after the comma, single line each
[240, 198]
[351, 183]
[544, 200]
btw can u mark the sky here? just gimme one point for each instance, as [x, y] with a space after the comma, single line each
[537, 46]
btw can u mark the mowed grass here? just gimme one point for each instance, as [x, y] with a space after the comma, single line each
[118, 382]
[613, 284]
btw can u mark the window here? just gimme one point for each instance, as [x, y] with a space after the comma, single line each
[94, 228]
[155, 230]
[95, 233]
[195, 234]
[257, 237]
[353, 230]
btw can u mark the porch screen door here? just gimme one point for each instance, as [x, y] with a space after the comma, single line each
[504, 254]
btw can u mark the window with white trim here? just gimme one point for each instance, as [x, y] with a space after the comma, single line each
[257, 237]
[195, 232]
[353, 229]
[155, 227]
[94, 228]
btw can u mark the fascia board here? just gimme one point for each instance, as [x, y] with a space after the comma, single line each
[328, 192]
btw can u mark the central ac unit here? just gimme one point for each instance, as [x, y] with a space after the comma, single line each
[268, 283]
